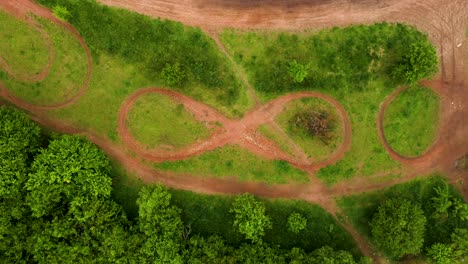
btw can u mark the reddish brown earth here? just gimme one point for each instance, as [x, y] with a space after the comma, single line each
[444, 20]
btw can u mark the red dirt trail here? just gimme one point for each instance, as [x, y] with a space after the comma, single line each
[444, 21]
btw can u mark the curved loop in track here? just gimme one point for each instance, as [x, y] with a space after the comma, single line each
[240, 132]
[45, 71]
[434, 149]
[4, 92]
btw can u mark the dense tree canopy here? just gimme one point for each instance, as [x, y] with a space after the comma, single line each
[398, 227]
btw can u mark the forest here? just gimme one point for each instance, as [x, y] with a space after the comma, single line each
[55, 192]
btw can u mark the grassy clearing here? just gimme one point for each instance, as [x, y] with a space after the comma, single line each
[66, 76]
[155, 45]
[149, 118]
[315, 148]
[209, 214]
[411, 121]
[360, 208]
[232, 161]
[25, 51]
[352, 64]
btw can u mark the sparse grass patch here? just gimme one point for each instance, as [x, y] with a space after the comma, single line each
[316, 147]
[25, 50]
[233, 161]
[156, 120]
[66, 76]
[411, 121]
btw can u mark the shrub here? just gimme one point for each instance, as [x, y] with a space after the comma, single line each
[296, 222]
[61, 12]
[172, 74]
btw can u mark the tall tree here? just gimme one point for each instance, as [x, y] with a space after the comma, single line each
[250, 217]
[398, 227]
[419, 63]
[19, 140]
[161, 224]
[69, 169]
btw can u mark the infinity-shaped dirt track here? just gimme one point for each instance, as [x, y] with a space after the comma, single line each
[444, 21]
[242, 132]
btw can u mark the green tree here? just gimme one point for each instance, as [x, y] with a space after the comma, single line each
[441, 202]
[296, 222]
[250, 217]
[18, 134]
[19, 140]
[419, 63]
[173, 74]
[440, 254]
[326, 255]
[459, 244]
[398, 227]
[298, 71]
[161, 224]
[460, 210]
[69, 169]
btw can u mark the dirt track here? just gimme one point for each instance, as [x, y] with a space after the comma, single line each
[445, 22]
[241, 132]
[21, 10]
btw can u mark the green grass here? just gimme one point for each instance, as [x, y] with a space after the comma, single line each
[25, 51]
[315, 148]
[278, 137]
[233, 161]
[66, 76]
[352, 64]
[150, 45]
[411, 121]
[209, 214]
[360, 208]
[157, 120]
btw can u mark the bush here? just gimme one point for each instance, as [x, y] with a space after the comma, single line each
[419, 63]
[298, 71]
[296, 222]
[172, 74]
[61, 12]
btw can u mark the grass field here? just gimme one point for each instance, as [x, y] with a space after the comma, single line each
[315, 148]
[360, 208]
[66, 76]
[352, 64]
[411, 121]
[233, 161]
[149, 121]
[25, 51]
[151, 45]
